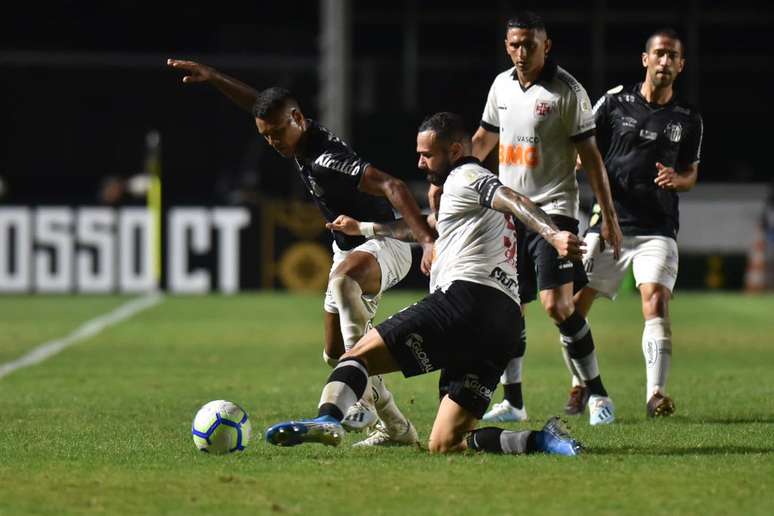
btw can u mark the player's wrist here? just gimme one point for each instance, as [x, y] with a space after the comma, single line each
[366, 229]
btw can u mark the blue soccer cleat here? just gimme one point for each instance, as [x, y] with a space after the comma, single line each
[324, 429]
[555, 439]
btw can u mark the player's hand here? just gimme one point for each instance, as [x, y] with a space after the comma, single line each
[666, 177]
[346, 225]
[611, 235]
[568, 245]
[197, 72]
[427, 258]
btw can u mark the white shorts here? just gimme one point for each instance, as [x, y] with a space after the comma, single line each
[394, 258]
[653, 258]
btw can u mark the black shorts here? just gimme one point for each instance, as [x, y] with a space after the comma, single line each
[539, 266]
[469, 332]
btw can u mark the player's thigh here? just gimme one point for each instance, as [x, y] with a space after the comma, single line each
[364, 269]
[552, 270]
[417, 336]
[656, 260]
[374, 353]
[603, 271]
[452, 423]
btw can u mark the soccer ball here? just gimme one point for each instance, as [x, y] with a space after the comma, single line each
[221, 427]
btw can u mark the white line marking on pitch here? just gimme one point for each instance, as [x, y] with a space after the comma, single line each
[86, 330]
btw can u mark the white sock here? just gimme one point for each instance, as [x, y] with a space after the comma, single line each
[657, 349]
[512, 373]
[353, 314]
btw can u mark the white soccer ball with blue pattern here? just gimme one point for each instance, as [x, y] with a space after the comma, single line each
[220, 427]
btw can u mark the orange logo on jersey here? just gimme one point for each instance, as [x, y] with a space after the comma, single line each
[519, 154]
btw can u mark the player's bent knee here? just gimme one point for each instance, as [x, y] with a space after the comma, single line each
[445, 444]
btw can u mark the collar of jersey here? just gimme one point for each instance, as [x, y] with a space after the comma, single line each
[638, 94]
[465, 160]
[545, 75]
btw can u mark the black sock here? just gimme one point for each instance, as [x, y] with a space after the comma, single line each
[496, 440]
[346, 385]
[485, 439]
[513, 394]
[577, 337]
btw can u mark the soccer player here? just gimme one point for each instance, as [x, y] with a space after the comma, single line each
[341, 182]
[542, 119]
[470, 322]
[653, 142]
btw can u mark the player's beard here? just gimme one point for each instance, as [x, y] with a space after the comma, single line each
[438, 178]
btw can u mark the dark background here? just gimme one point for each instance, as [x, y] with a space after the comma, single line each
[82, 82]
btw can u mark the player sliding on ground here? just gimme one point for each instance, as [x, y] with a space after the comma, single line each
[470, 323]
[341, 183]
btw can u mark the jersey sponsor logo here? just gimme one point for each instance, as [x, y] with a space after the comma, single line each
[503, 278]
[543, 108]
[628, 122]
[502, 107]
[684, 111]
[565, 264]
[520, 155]
[471, 382]
[648, 135]
[528, 139]
[332, 162]
[674, 131]
[628, 97]
[414, 342]
[585, 105]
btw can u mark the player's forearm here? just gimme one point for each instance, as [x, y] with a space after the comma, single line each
[599, 185]
[399, 196]
[686, 179]
[483, 142]
[238, 92]
[397, 229]
[509, 201]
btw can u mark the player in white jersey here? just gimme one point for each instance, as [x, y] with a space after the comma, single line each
[467, 327]
[542, 119]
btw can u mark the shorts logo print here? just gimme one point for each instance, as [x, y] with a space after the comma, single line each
[472, 383]
[414, 342]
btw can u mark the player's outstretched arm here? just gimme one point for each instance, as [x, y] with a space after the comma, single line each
[376, 182]
[240, 93]
[566, 243]
[597, 174]
[397, 229]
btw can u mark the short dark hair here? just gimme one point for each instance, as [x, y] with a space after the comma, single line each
[270, 100]
[526, 20]
[448, 127]
[670, 33]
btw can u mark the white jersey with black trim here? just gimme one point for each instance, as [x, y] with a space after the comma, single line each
[475, 243]
[538, 126]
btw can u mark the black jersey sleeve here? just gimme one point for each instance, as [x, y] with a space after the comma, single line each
[486, 186]
[690, 146]
[346, 164]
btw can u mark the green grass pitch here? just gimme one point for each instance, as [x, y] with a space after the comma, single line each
[104, 427]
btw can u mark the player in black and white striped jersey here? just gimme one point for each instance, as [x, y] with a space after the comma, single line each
[341, 183]
[468, 326]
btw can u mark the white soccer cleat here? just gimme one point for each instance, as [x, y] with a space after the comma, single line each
[359, 417]
[504, 412]
[601, 410]
[381, 436]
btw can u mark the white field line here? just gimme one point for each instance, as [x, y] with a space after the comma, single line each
[86, 330]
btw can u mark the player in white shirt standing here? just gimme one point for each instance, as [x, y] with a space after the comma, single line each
[467, 327]
[542, 119]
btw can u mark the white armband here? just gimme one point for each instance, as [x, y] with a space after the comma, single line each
[366, 229]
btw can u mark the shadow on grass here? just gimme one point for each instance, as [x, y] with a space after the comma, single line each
[665, 451]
